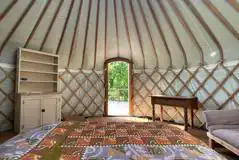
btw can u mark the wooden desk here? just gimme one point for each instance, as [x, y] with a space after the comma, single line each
[178, 101]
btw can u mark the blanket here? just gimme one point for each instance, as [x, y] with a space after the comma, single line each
[101, 140]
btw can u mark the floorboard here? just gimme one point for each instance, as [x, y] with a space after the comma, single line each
[6, 135]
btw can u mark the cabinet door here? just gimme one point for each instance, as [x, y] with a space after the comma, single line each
[50, 110]
[31, 117]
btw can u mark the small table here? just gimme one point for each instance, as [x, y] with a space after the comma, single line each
[178, 101]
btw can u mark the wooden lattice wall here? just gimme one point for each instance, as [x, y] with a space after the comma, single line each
[7, 85]
[217, 87]
[82, 93]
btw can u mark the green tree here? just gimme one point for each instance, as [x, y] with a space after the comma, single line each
[118, 80]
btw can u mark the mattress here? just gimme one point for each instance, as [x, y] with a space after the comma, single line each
[71, 140]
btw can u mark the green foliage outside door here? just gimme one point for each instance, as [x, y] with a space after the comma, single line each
[118, 81]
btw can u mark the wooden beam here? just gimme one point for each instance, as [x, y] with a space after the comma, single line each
[37, 23]
[74, 34]
[106, 89]
[86, 33]
[118, 59]
[149, 33]
[234, 4]
[127, 29]
[173, 31]
[137, 32]
[65, 25]
[7, 9]
[205, 26]
[106, 22]
[187, 28]
[131, 89]
[158, 24]
[96, 31]
[16, 25]
[51, 24]
[221, 18]
[116, 28]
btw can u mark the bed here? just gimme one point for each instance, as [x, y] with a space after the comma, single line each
[71, 140]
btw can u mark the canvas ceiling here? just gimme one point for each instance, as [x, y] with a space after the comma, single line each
[151, 33]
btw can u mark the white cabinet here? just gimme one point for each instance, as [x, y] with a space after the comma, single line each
[37, 87]
[35, 110]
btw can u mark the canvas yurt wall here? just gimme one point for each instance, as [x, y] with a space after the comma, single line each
[187, 47]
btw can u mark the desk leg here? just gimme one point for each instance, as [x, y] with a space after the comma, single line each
[153, 112]
[192, 115]
[185, 119]
[161, 113]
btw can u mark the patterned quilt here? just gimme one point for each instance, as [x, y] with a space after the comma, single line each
[100, 140]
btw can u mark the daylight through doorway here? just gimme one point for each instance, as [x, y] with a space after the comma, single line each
[118, 88]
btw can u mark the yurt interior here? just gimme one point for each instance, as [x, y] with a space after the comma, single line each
[119, 79]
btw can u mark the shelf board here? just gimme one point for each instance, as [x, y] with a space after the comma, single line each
[39, 62]
[37, 52]
[41, 72]
[37, 93]
[29, 81]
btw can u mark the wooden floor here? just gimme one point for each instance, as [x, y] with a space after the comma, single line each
[6, 135]
[199, 133]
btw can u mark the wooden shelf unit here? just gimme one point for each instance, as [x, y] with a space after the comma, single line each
[37, 99]
[37, 72]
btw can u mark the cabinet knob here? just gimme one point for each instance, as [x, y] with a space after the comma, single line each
[43, 110]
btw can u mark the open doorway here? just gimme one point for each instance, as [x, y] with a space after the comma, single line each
[118, 95]
[118, 92]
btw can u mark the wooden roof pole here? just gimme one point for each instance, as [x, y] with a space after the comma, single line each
[51, 24]
[37, 23]
[127, 29]
[65, 25]
[148, 30]
[16, 25]
[7, 9]
[158, 24]
[116, 28]
[173, 31]
[187, 28]
[86, 34]
[74, 34]
[234, 4]
[205, 26]
[221, 18]
[106, 22]
[137, 31]
[96, 30]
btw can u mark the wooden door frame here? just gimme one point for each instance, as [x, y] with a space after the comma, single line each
[130, 84]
